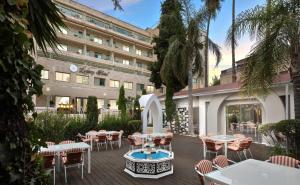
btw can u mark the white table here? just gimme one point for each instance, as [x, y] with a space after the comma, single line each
[93, 135]
[224, 139]
[64, 147]
[254, 172]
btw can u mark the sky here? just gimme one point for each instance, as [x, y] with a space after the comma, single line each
[146, 13]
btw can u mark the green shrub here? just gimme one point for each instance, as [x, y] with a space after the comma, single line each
[92, 111]
[134, 126]
[74, 126]
[122, 101]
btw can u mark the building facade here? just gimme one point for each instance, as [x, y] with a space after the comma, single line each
[97, 55]
[224, 109]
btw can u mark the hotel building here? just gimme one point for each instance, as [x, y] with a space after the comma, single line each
[98, 54]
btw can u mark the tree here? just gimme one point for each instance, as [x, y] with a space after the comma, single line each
[215, 81]
[211, 7]
[21, 21]
[92, 111]
[233, 43]
[276, 29]
[122, 101]
[185, 53]
[169, 73]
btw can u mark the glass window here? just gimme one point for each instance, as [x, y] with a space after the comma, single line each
[113, 104]
[138, 52]
[99, 81]
[97, 40]
[62, 47]
[62, 76]
[128, 85]
[150, 88]
[100, 103]
[61, 100]
[45, 74]
[125, 62]
[140, 87]
[114, 83]
[82, 79]
[126, 48]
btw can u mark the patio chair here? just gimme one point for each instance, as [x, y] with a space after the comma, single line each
[73, 158]
[284, 161]
[49, 143]
[202, 168]
[156, 141]
[101, 139]
[84, 138]
[212, 146]
[120, 138]
[49, 162]
[166, 142]
[238, 146]
[113, 139]
[221, 161]
[133, 143]
[247, 147]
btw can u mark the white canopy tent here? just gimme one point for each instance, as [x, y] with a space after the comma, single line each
[151, 106]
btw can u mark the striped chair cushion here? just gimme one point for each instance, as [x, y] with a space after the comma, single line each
[66, 142]
[284, 160]
[204, 166]
[49, 143]
[221, 161]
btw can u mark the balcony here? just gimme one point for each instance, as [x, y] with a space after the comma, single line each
[77, 57]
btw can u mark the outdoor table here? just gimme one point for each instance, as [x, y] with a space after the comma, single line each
[64, 147]
[254, 172]
[93, 135]
[223, 138]
[149, 136]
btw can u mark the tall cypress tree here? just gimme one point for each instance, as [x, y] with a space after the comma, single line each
[122, 101]
[170, 26]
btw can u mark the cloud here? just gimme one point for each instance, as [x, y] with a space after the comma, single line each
[106, 5]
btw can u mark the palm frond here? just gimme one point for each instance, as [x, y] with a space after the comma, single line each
[216, 50]
[44, 19]
[117, 4]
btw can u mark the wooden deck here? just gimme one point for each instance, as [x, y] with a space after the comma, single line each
[107, 166]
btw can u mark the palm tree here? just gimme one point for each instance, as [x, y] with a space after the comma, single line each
[233, 43]
[212, 7]
[189, 51]
[22, 22]
[276, 29]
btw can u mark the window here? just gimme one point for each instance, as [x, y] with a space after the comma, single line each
[99, 81]
[128, 85]
[45, 74]
[195, 80]
[63, 30]
[126, 48]
[150, 88]
[125, 62]
[65, 77]
[114, 83]
[82, 79]
[97, 40]
[62, 47]
[61, 100]
[140, 87]
[138, 52]
[113, 104]
[97, 55]
[100, 103]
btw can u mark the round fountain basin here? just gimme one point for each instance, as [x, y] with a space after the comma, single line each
[149, 164]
